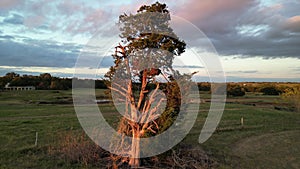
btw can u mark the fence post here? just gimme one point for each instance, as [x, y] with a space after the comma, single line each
[36, 138]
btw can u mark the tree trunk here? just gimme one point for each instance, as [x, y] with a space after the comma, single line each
[134, 161]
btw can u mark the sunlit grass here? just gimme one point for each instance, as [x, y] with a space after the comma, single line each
[22, 115]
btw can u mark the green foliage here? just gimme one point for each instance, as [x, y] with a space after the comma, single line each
[11, 75]
[204, 86]
[147, 33]
[42, 82]
[235, 90]
[270, 90]
[292, 95]
[7, 78]
[173, 94]
[150, 28]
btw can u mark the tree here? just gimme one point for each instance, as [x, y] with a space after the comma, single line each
[12, 75]
[2, 83]
[45, 76]
[55, 85]
[45, 81]
[145, 54]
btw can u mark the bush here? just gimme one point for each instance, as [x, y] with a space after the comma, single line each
[204, 86]
[235, 91]
[292, 95]
[270, 90]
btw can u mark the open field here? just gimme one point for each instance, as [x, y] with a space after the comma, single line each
[269, 138]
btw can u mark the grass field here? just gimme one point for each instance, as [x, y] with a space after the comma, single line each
[269, 138]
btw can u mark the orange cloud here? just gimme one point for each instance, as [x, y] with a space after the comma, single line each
[293, 23]
[200, 10]
[4, 4]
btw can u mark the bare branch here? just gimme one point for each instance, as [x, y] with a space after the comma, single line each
[119, 86]
[148, 105]
[154, 109]
[116, 90]
[155, 124]
[150, 128]
[142, 92]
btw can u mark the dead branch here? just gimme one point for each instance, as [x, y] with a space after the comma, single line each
[116, 90]
[142, 92]
[154, 109]
[148, 105]
[121, 87]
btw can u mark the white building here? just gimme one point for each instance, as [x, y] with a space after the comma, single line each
[9, 88]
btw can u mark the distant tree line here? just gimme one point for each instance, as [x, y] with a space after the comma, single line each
[265, 88]
[42, 82]
[241, 88]
[46, 81]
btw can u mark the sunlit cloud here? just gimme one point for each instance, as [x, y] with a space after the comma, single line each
[254, 38]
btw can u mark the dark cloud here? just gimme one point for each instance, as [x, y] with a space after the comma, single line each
[6, 37]
[291, 8]
[44, 53]
[247, 28]
[14, 19]
[3, 71]
[106, 62]
[69, 17]
[235, 27]
[267, 48]
[35, 54]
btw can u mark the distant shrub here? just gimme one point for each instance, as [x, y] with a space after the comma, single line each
[270, 90]
[292, 95]
[235, 91]
[250, 88]
[204, 86]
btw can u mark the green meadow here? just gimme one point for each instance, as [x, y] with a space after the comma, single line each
[268, 137]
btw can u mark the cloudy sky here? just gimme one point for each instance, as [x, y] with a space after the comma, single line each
[256, 40]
